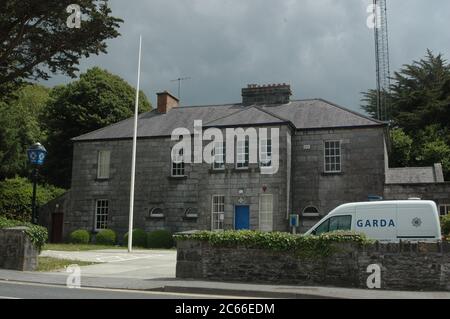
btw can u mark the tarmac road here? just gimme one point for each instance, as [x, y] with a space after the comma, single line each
[20, 290]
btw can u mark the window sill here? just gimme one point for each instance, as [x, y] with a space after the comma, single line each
[177, 177]
[332, 173]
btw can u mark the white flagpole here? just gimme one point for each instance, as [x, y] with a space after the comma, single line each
[133, 162]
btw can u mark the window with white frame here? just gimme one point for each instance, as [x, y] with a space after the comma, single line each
[444, 209]
[266, 212]
[178, 164]
[265, 152]
[242, 153]
[101, 214]
[103, 164]
[219, 156]
[218, 212]
[332, 157]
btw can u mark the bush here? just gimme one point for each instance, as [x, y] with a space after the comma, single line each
[160, 239]
[16, 194]
[139, 238]
[37, 234]
[445, 225]
[307, 246]
[106, 237]
[79, 236]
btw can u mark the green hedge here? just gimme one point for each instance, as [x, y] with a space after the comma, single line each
[16, 194]
[79, 236]
[37, 234]
[139, 238]
[307, 246]
[106, 237]
[160, 239]
[445, 225]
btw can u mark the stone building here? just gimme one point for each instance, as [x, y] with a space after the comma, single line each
[328, 155]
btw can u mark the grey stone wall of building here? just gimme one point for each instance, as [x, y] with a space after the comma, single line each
[438, 192]
[156, 188]
[363, 169]
[407, 266]
[16, 250]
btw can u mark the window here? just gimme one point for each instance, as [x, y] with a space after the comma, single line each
[265, 153]
[101, 214]
[333, 224]
[310, 211]
[178, 165]
[191, 213]
[444, 209]
[219, 156]
[266, 212]
[333, 157]
[218, 212]
[156, 212]
[103, 164]
[242, 152]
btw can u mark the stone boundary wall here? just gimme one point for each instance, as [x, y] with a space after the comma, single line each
[17, 252]
[404, 266]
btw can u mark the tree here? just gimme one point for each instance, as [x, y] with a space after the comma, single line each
[20, 127]
[401, 148]
[420, 107]
[96, 100]
[37, 41]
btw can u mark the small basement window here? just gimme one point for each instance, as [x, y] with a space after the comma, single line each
[156, 212]
[310, 211]
[191, 213]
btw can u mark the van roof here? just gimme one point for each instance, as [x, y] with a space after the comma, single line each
[386, 202]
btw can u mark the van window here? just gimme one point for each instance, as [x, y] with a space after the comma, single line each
[333, 224]
[341, 223]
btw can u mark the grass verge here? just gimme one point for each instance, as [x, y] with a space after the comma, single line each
[51, 264]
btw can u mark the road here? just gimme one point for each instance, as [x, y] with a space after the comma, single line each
[19, 290]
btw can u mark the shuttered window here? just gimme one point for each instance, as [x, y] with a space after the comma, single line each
[266, 212]
[103, 164]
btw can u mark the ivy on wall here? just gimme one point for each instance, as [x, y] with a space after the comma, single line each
[302, 246]
[37, 234]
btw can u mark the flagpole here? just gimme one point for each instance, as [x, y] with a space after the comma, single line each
[133, 162]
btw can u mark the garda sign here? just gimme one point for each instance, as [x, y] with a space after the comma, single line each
[36, 156]
[375, 223]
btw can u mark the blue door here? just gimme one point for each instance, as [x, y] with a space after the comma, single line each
[242, 217]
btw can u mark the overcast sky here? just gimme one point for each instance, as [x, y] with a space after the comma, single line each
[323, 48]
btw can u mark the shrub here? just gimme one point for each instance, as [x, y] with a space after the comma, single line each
[307, 246]
[37, 234]
[16, 194]
[139, 238]
[79, 236]
[445, 225]
[160, 239]
[106, 237]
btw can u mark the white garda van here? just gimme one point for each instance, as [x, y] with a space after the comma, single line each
[385, 221]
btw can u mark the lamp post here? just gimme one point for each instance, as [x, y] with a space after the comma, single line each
[36, 156]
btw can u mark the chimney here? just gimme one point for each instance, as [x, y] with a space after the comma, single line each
[166, 102]
[266, 94]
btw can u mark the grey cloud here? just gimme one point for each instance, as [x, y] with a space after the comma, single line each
[323, 48]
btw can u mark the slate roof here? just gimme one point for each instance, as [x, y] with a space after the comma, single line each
[301, 114]
[413, 175]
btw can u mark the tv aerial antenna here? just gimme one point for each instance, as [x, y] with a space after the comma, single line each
[179, 80]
